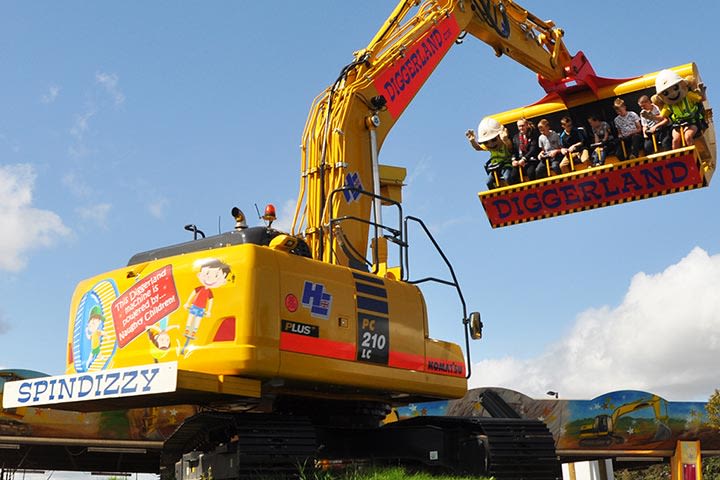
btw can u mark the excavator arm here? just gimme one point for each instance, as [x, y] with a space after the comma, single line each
[654, 402]
[340, 183]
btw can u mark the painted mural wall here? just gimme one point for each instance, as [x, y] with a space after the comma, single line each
[624, 420]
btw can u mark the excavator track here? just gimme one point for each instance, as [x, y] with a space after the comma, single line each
[505, 448]
[520, 449]
[240, 446]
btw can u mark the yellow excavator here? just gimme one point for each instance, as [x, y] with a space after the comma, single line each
[602, 432]
[298, 343]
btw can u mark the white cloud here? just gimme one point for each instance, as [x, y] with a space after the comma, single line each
[157, 207]
[26, 227]
[97, 214]
[110, 82]
[79, 150]
[76, 185]
[51, 95]
[663, 338]
[82, 124]
[79, 128]
[441, 227]
[423, 169]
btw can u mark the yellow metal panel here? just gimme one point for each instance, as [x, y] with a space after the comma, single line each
[392, 175]
[391, 182]
[554, 104]
[250, 292]
[271, 315]
[224, 384]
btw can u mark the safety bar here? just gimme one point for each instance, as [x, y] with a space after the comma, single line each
[396, 234]
[453, 283]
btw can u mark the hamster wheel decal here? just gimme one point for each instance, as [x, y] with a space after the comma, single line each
[93, 332]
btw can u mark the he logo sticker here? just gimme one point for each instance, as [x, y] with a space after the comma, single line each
[316, 299]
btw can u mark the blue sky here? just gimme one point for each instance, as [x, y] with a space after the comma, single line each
[122, 122]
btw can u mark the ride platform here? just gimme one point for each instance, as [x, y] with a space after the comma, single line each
[595, 187]
[616, 181]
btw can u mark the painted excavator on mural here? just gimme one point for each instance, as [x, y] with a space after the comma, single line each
[604, 429]
[298, 344]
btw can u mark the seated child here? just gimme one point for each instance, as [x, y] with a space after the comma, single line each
[603, 140]
[551, 150]
[574, 143]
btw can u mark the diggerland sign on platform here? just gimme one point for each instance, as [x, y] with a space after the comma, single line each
[399, 82]
[624, 182]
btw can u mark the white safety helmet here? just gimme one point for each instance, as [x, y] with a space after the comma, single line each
[666, 79]
[488, 129]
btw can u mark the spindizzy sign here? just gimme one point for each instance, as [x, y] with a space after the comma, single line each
[143, 304]
[119, 382]
[623, 183]
[399, 82]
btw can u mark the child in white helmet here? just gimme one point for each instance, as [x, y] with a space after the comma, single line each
[494, 138]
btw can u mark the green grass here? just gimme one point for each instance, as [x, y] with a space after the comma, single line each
[392, 473]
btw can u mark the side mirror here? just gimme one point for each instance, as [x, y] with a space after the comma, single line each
[476, 326]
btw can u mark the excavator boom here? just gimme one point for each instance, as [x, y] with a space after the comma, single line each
[350, 120]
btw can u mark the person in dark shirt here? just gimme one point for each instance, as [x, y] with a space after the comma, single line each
[574, 144]
[526, 149]
[603, 141]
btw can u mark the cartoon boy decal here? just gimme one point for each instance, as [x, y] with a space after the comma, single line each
[160, 338]
[213, 274]
[94, 332]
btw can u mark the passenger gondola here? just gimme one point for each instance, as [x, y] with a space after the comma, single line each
[579, 186]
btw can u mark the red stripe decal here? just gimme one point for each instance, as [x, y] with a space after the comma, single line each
[321, 347]
[292, 342]
[407, 361]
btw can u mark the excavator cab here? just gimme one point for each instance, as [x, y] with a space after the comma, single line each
[602, 424]
[621, 178]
